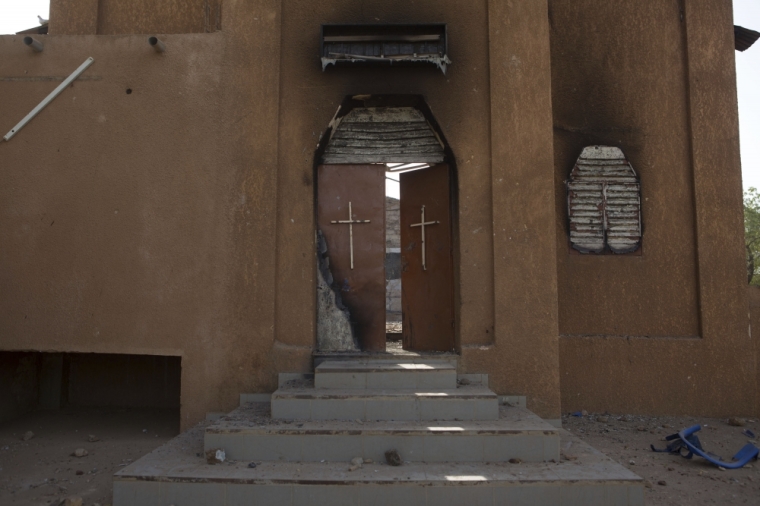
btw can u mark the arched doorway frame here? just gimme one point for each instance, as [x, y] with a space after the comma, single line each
[417, 102]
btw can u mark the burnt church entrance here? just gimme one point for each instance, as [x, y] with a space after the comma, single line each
[365, 146]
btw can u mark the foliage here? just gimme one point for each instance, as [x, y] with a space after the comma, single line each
[752, 234]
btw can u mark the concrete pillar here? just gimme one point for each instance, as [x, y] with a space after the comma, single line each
[524, 358]
[719, 203]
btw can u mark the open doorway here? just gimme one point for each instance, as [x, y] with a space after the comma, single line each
[384, 212]
[393, 314]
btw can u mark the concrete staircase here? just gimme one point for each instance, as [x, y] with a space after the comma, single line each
[457, 446]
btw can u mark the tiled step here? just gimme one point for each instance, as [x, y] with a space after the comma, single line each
[249, 434]
[175, 474]
[449, 358]
[463, 403]
[385, 375]
[286, 378]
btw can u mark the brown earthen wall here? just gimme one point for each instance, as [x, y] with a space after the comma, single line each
[754, 311]
[664, 332]
[619, 77]
[136, 223]
[73, 17]
[115, 17]
[158, 16]
[524, 354]
[178, 219]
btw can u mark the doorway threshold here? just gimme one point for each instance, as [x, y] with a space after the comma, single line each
[391, 353]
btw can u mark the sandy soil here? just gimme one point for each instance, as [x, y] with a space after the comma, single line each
[41, 471]
[674, 480]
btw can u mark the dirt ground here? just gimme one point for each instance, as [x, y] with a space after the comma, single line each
[42, 471]
[674, 480]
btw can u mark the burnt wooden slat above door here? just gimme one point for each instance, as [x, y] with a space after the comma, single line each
[383, 135]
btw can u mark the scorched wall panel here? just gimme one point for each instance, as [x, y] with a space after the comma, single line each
[619, 79]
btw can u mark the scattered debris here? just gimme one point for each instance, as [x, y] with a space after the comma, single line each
[215, 456]
[463, 381]
[632, 462]
[685, 484]
[748, 433]
[80, 452]
[641, 428]
[515, 461]
[392, 458]
[737, 422]
[687, 444]
[26, 437]
[356, 463]
[79, 472]
[603, 419]
[662, 483]
[93, 439]
[74, 500]
[576, 414]
[252, 465]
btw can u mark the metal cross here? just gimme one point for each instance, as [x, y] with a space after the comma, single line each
[350, 222]
[422, 225]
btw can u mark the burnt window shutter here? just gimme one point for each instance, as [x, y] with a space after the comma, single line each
[385, 44]
[604, 202]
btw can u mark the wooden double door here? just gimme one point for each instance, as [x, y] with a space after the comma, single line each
[351, 217]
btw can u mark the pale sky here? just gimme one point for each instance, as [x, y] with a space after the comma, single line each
[747, 14]
[16, 15]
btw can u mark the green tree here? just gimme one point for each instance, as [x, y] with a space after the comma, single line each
[752, 234]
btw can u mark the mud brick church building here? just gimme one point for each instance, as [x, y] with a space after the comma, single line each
[197, 214]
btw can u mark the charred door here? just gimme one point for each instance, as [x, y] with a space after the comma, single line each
[351, 216]
[427, 268]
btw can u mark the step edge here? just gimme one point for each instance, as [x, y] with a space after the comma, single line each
[386, 395]
[190, 479]
[337, 367]
[543, 432]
